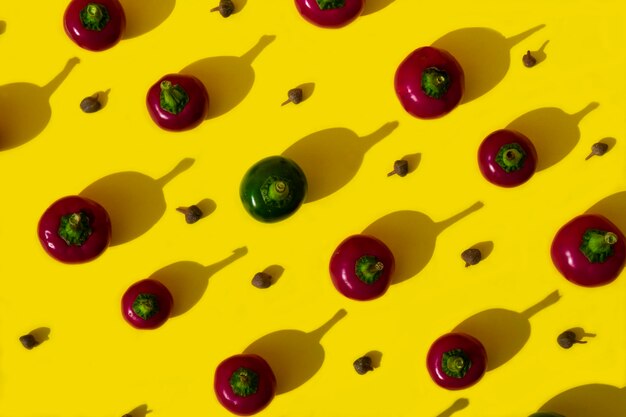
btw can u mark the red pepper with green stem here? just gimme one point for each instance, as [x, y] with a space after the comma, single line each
[74, 230]
[507, 158]
[94, 25]
[147, 304]
[456, 361]
[330, 13]
[178, 102]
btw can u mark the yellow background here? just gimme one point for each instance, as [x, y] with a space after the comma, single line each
[94, 364]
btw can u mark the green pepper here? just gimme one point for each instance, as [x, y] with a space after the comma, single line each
[273, 189]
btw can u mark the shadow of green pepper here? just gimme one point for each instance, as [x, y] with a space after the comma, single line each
[29, 108]
[553, 132]
[134, 201]
[294, 356]
[597, 400]
[484, 55]
[411, 237]
[330, 158]
[503, 332]
[228, 79]
[188, 281]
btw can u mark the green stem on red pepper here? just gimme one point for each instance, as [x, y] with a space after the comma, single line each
[435, 82]
[455, 363]
[511, 157]
[74, 228]
[330, 4]
[146, 306]
[173, 97]
[94, 16]
[368, 269]
[244, 382]
[597, 245]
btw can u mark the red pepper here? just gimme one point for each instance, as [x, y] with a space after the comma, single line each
[74, 229]
[147, 304]
[330, 13]
[94, 25]
[507, 158]
[589, 250]
[456, 361]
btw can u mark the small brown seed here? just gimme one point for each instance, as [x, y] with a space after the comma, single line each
[28, 341]
[567, 339]
[226, 8]
[294, 96]
[599, 149]
[90, 104]
[262, 280]
[529, 60]
[363, 365]
[400, 168]
[471, 256]
[192, 213]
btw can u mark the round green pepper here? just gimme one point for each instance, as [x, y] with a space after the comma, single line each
[273, 189]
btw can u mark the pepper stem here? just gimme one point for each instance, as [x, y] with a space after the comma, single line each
[75, 228]
[330, 4]
[173, 97]
[597, 245]
[511, 157]
[455, 363]
[244, 382]
[435, 82]
[276, 191]
[94, 16]
[146, 305]
[368, 269]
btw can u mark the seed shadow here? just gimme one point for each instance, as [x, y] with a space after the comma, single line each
[458, 405]
[29, 107]
[188, 281]
[3, 26]
[411, 236]
[228, 79]
[609, 141]
[294, 356]
[207, 207]
[485, 248]
[503, 332]
[275, 271]
[539, 54]
[414, 161]
[373, 6]
[330, 158]
[553, 132]
[134, 201]
[484, 55]
[239, 5]
[597, 400]
[376, 356]
[581, 333]
[142, 16]
[613, 208]
[140, 411]
[307, 90]
[41, 334]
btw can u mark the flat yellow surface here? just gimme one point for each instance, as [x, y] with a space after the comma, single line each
[347, 132]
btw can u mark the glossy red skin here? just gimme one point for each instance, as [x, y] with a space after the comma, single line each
[95, 244]
[194, 112]
[147, 286]
[244, 406]
[574, 265]
[471, 346]
[331, 18]
[408, 83]
[94, 40]
[493, 172]
[342, 264]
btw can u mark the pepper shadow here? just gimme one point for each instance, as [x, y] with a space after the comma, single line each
[134, 201]
[484, 55]
[294, 356]
[142, 16]
[41, 334]
[330, 158]
[553, 132]
[613, 208]
[140, 411]
[228, 79]
[3, 26]
[411, 237]
[597, 400]
[503, 332]
[29, 108]
[188, 281]
[458, 405]
[373, 6]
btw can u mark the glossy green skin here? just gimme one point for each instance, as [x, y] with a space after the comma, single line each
[251, 184]
[546, 414]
